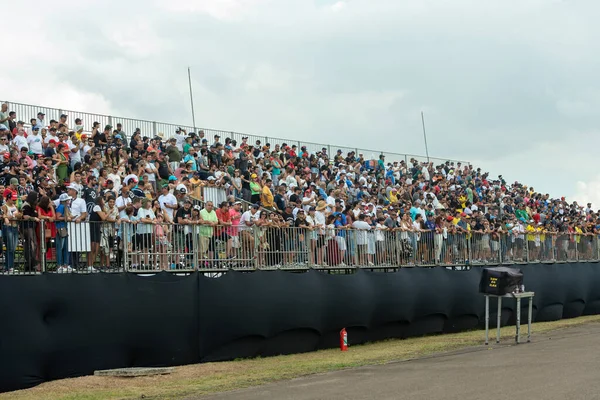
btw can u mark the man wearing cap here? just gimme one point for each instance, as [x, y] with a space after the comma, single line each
[51, 148]
[63, 120]
[63, 216]
[34, 141]
[183, 218]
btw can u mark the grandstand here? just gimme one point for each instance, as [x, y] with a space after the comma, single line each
[88, 192]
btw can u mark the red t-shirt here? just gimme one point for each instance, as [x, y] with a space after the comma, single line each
[8, 191]
[223, 217]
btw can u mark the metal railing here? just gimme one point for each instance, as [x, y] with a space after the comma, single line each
[90, 247]
[152, 128]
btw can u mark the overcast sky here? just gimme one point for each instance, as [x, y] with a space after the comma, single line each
[509, 85]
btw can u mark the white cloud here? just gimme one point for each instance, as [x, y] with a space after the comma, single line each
[511, 87]
[588, 192]
[218, 9]
[338, 6]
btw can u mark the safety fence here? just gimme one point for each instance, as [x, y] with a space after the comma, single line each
[166, 130]
[34, 247]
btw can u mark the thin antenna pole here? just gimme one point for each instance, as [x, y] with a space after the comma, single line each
[425, 136]
[192, 99]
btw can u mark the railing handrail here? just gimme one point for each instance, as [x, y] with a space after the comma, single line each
[157, 127]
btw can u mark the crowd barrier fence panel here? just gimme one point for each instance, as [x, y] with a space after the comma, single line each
[30, 247]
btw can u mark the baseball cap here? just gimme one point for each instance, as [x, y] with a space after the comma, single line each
[172, 178]
[64, 197]
[14, 181]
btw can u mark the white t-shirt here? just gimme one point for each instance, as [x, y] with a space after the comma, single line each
[247, 217]
[85, 149]
[75, 157]
[20, 142]
[120, 202]
[320, 220]
[78, 207]
[145, 213]
[361, 234]
[151, 175]
[179, 141]
[49, 137]
[170, 199]
[116, 180]
[35, 144]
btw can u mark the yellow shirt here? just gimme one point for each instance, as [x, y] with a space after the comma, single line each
[463, 202]
[530, 233]
[542, 233]
[578, 237]
[393, 198]
[266, 197]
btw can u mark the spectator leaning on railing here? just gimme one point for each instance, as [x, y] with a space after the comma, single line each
[402, 210]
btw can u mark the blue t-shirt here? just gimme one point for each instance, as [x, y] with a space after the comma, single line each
[61, 209]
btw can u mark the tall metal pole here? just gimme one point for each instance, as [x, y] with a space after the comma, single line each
[192, 99]
[425, 136]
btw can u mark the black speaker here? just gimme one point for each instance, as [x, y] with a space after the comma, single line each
[500, 280]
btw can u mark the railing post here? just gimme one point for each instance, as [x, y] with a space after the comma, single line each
[527, 249]
[197, 258]
[469, 241]
[255, 255]
[43, 245]
[110, 121]
[575, 237]
[154, 129]
[124, 246]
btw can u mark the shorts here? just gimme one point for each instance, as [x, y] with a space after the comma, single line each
[341, 242]
[204, 244]
[320, 241]
[235, 242]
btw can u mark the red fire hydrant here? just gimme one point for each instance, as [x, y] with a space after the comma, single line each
[343, 340]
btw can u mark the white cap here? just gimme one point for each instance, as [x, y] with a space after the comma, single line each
[64, 197]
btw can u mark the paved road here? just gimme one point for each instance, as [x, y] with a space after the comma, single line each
[562, 365]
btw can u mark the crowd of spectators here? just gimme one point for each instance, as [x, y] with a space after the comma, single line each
[66, 172]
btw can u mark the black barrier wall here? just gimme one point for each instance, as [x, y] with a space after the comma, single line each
[57, 326]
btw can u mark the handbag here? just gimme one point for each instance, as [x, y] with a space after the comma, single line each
[63, 232]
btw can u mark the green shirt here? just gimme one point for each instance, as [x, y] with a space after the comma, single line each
[255, 188]
[173, 154]
[207, 230]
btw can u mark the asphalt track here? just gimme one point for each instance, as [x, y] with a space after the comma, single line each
[563, 364]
